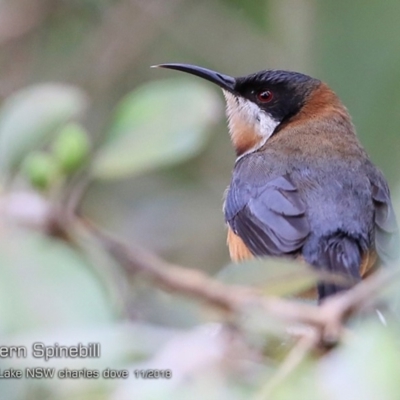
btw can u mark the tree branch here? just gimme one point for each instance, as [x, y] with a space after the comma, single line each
[326, 321]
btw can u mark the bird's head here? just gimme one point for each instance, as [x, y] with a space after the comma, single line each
[258, 105]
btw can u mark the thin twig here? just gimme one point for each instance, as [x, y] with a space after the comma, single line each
[336, 310]
[296, 356]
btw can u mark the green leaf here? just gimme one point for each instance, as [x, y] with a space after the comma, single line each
[47, 285]
[273, 276]
[30, 116]
[159, 124]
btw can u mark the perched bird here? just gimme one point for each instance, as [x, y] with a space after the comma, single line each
[302, 185]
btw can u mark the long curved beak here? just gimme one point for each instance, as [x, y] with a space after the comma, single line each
[223, 81]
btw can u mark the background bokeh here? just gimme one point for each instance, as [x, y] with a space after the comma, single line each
[101, 51]
[106, 49]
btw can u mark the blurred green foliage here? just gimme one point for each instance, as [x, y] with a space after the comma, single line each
[148, 133]
[71, 147]
[30, 116]
[41, 169]
[153, 159]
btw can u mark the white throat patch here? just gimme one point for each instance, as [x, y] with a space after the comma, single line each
[246, 119]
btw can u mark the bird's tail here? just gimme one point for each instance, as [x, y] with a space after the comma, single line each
[337, 254]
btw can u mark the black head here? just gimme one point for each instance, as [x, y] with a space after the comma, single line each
[259, 103]
[279, 93]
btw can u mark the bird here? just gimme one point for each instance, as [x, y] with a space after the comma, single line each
[302, 185]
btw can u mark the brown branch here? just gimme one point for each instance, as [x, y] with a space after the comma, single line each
[325, 321]
[336, 310]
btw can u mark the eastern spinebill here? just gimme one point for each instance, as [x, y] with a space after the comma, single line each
[302, 186]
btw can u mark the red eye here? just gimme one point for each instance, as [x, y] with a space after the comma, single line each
[265, 96]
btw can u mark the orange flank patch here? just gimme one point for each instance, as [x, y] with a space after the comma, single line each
[237, 249]
[367, 263]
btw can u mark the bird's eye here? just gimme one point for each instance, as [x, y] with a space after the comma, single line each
[265, 96]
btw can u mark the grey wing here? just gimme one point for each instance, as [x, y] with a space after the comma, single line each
[387, 239]
[270, 218]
